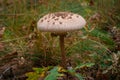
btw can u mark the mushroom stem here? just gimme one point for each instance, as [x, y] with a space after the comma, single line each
[62, 51]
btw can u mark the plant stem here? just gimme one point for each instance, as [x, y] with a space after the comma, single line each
[63, 51]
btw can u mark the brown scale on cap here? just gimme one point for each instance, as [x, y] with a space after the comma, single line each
[77, 16]
[63, 17]
[42, 20]
[53, 23]
[61, 14]
[56, 19]
[69, 17]
[71, 14]
[53, 17]
[45, 18]
[60, 22]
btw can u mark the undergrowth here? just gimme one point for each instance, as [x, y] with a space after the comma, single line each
[93, 44]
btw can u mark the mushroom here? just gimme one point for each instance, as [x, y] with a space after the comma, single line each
[60, 23]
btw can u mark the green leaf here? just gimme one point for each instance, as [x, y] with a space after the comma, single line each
[38, 70]
[85, 65]
[79, 76]
[32, 76]
[72, 72]
[53, 74]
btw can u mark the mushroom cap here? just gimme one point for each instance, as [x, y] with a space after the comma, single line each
[60, 22]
